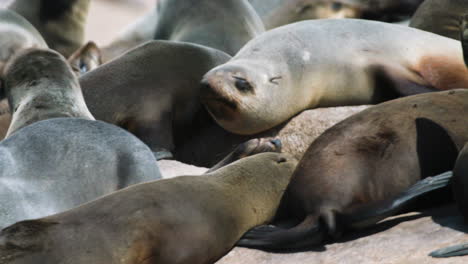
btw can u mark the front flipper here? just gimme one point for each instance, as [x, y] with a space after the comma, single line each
[249, 148]
[396, 81]
[453, 251]
[370, 215]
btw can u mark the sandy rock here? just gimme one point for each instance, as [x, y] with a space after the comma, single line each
[173, 168]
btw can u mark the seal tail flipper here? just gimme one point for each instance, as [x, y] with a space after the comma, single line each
[308, 233]
[372, 214]
[452, 251]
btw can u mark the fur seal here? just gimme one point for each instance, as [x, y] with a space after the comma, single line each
[152, 102]
[275, 13]
[365, 159]
[224, 25]
[441, 17]
[56, 156]
[280, 73]
[60, 22]
[181, 220]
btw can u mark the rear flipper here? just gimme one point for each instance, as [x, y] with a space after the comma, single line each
[312, 233]
[370, 215]
[273, 238]
[453, 251]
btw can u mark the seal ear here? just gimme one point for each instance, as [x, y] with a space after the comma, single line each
[85, 59]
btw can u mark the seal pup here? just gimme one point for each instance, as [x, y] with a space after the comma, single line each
[60, 22]
[280, 73]
[181, 220]
[153, 102]
[56, 156]
[224, 25]
[441, 17]
[276, 13]
[365, 159]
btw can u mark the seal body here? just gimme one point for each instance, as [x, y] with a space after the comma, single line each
[441, 17]
[224, 25]
[181, 220]
[56, 156]
[60, 22]
[147, 99]
[275, 13]
[330, 62]
[370, 157]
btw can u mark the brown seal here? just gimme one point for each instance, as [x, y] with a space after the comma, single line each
[368, 158]
[441, 17]
[280, 73]
[147, 99]
[180, 220]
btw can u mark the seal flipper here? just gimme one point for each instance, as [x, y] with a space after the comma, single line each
[273, 238]
[370, 215]
[391, 83]
[452, 251]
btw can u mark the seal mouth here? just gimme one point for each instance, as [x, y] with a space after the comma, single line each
[220, 107]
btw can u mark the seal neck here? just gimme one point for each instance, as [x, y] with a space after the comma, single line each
[29, 104]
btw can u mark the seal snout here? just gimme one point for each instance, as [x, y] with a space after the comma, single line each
[218, 103]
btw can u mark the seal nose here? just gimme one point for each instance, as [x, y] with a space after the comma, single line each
[205, 85]
[281, 160]
[277, 143]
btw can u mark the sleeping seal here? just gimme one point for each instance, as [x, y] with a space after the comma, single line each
[56, 155]
[181, 220]
[328, 62]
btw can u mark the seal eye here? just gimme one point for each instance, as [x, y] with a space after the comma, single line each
[242, 84]
[336, 6]
[83, 67]
[275, 79]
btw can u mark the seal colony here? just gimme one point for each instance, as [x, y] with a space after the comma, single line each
[64, 170]
[268, 82]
